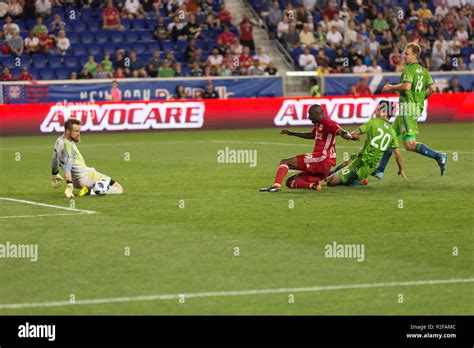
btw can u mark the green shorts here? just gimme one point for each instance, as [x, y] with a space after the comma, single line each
[355, 171]
[406, 126]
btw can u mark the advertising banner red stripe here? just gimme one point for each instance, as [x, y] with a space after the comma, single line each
[28, 119]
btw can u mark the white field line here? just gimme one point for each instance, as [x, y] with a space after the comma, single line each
[308, 145]
[78, 211]
[235, 293]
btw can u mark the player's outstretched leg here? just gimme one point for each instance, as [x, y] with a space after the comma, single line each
[440, 157]
[378, 173]
[115, 189]
[302, 181]
[285, 165]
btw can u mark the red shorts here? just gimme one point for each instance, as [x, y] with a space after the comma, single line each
[320, 169]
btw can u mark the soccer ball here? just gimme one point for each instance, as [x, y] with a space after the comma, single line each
[101, 186]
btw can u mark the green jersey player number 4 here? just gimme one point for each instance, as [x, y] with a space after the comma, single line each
[381, 137]
[415, 86]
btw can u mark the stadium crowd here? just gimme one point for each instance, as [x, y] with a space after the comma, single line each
[366, 36]
[91, 39]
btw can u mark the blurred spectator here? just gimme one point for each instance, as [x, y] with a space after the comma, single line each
[91, 65]
[359, 68]
[236, 47]
[307, 38]
[471, 64]
[6, 75]
[73, 75]
[334, 37]
[137, 66]
[107, 64]
[15, 44]
[394, 59]
[57, 23]
[283, 27]
[196, 70]
[354, 56]
[224, 15]
[153, 64]
[275, 15]
[257, 68]
[215, 59]
[160, 32]
[178, 70]
[111, 17]
[209, 92]
[374, 67]
[85, 74]
[119, 73]
[226, 70]
[442, 9]
[132, 9]
[353, 90]
[115, 92]
[176, 29]
[25, 75]
[314, 89]
[100, 73]
[9, 28]
[447, 65]
[3, 9]
[263, 58]
[362, 89]
[454, 86]
[193, 29]
[39, 27]
[245, 61]
[246, 32]
[31, 43]
[340, 62]
[226, 38]
[307, 61]
[43, 8]
[62, 43]
[15, 8]
[291, 39]
[198, 95]
[179, 93]
[166, 70]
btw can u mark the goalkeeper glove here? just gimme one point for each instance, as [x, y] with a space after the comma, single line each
[56, 180]
[69, 190]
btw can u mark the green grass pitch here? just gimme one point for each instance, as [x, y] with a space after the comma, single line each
[280, 237]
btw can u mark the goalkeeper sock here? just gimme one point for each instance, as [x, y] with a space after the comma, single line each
[383, 162]
[336, 169]
[424, 150]
[280, 174]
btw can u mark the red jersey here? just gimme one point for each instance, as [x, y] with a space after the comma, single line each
[226, 38]
[325, 136]
[246, 29]
[111, 15]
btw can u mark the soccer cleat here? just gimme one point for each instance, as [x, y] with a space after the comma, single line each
[271, 189]
[442, 162]
[316, 186]
[378, 175]
[364, 182]
[84, 192]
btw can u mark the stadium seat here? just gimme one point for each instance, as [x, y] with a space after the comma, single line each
[79, 49]
[131, 36]
[87, 38]
[57, 10]
[138, 24]
[179, 56]
[55, 61]
[39, 61]
[79, 26]
[182, 45]
[82, 60]
[209, 44]
[108, 48]
[151, 23]
[73, 38]
[97, 13]
[167, 45]
[154, 46]
[126, 46]
[70, 61]
[86, 13]
[101, 37]
[139, 47]
[94, 49]
[145, 57]
[116, 36]
[46, 74]
[24, 61]
[34, 72]
[126, 24]
[163, 12]
[30, 24]
[206, 33]
[94, 25]
[146, 36]
[8, 62]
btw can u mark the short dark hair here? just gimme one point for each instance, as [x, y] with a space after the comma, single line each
[316, 108]
[68, 124]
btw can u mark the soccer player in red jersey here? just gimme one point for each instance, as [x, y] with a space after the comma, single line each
[313, 167]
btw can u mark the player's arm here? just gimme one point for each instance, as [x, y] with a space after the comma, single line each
[55, 177]
[67, 161]
[346, 135]
[304, 135]
[399, 159]
[401, 87]
[431, 86]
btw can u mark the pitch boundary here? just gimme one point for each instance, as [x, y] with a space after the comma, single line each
[235, 293]
[75, 210]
